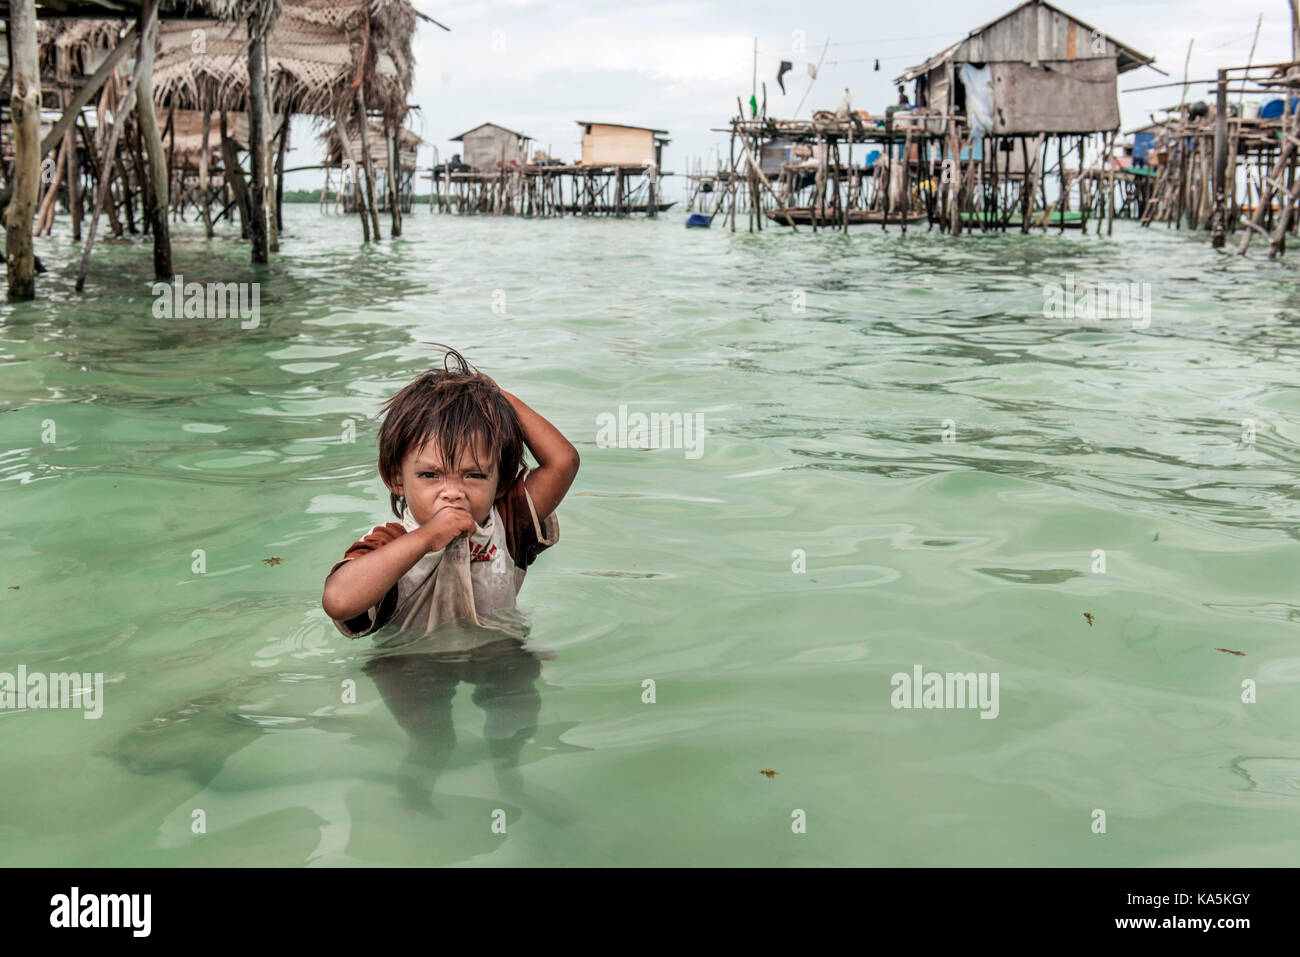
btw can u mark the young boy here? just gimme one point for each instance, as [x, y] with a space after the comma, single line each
[471, 521]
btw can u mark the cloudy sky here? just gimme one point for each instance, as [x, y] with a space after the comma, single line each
[537, 66]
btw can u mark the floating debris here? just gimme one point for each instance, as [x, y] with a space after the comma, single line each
[769, 772]
[13, 587]
[1088, 615]
[271, 561]
[1229, 651]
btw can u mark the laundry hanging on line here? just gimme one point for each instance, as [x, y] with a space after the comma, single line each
[786, 67]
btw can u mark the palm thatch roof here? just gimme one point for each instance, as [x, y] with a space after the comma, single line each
[116, 9]
[69, 50]
[187, 138]
[408, 145]
[319, 52]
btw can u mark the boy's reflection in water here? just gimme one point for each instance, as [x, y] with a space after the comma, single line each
[418, 680]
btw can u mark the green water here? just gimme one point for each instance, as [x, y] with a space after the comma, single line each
[824, 433]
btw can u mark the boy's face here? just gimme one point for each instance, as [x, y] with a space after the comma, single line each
[430, 485]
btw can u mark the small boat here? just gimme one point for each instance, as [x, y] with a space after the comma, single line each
[802, 216]
[698, 221]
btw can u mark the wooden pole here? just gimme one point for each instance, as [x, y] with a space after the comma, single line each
[74, 183]
[45, 214]
[1110, 185]
[341, 123]
[731, 177]
[234, 178]
[107, 163]
[264, 144]
[1026, 185]
[155, 212]
[1060, 169]
[905, 207]
[25, 111]
[204, 159]
[1266, 195]
[279, 176]
[1219, 225]
[257, 143]
[363, 124]
[394, 180]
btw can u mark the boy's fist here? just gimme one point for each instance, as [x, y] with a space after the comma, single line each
[449, 524]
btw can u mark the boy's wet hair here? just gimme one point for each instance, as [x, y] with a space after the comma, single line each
[450, 409]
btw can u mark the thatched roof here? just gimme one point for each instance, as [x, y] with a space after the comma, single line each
[319, 51]
[189, 135]
[116, 9]
[70, 50]
[408, 144]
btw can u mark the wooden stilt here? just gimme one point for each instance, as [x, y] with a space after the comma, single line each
[234, 177]
[45, 213]
[279, 176]
[268, 168]
[257, 144]
[74, 184]
[147, 121]
[205, 205]
[110, 153]
[341, 122]
[1219, 237]
[25, 112]
[363, 124]
[391, 137]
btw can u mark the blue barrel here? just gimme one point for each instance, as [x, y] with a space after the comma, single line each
[698, 221]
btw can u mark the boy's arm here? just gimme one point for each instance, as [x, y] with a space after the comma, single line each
[557, 459]
[360, 583]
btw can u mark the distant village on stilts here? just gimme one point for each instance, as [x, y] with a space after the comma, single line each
[129, 116]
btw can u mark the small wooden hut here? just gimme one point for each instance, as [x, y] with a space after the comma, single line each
[488, 147]
[613, 144]
[1035, 69]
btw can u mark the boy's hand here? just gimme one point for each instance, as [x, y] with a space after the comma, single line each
[447, 525]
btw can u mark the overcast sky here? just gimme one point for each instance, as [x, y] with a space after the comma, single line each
[537, 66]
